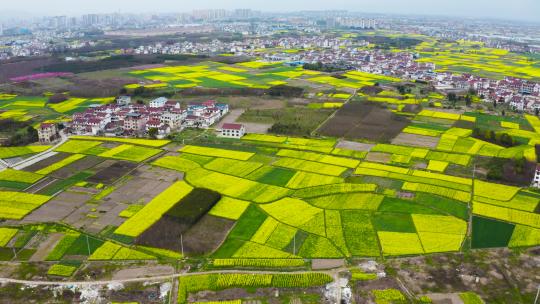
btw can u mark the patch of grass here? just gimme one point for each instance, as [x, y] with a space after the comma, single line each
[391, 204]
[488, 233]
[228, 248]
[274, 176]
[289, 121]
[397, 222]
[248, 224]
[81, 246]
[14, 185]
[447, 205]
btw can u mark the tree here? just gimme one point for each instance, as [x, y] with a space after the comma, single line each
[152, 133]
[58, 98]
[536, 111]
[506, 140]
[519, 165]
[468, 100]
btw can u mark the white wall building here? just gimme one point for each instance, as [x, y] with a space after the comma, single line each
[536, 179]
[158, 102]
[231, 130]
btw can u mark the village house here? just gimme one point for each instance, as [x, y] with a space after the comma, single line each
[536, 179]
[47, 133]
[123, 101]
[231, 130]
[125, 118]
[158, 102]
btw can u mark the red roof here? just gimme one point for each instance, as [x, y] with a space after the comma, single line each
[232, 126]
[46, 125]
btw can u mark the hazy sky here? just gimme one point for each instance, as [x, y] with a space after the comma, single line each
[507, 9]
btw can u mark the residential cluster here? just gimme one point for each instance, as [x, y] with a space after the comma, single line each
[160, 117]
[520, 94]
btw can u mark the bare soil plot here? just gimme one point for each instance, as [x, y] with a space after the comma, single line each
[46, 162]
[445, 298]
[497, 275]
[378, 157]
[158, 173]
[352, 145]
[359, 120]
[203, 237]
[141, 272]
[318, 264]
[260, 128]
[46, 246]
[78, 218]
[231, 117]
[92, 191]
[113, 172]
[414, 140]
[77, 166]
[58, 208]
[138, 190]
[107, 216]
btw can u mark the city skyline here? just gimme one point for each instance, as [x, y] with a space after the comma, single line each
[459, 8]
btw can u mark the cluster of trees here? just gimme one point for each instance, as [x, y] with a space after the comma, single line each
[402, 89]
[468, 98]
[383, 42]
[501, 139]
[18, 133]
[286, 91]
[289, 129]
[328, 68]
[58, 98]
[116, 62]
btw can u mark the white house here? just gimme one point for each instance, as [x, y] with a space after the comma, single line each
[158, 102]
[47, 133]
[536, 179]
[174, 119]
[231, 130]
[123, 101]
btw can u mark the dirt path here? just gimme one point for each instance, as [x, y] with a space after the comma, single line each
[141, 272]
[231, 117]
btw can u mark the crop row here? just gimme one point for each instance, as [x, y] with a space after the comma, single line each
[16, 205]
[133, 141]
[262, 263]
[196, 283]
[58, 165]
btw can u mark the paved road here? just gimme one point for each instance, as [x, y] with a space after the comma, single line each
[40, 156]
